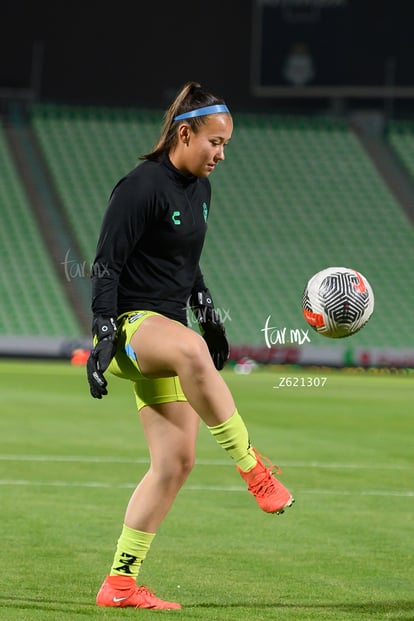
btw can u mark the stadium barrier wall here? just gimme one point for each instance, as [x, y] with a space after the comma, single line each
[38, 347]
[338, 356]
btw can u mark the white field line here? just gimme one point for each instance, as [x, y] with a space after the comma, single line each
[204, 488]
[96, 459]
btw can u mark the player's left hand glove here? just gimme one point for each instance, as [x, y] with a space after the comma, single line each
[211, 327]
[104, 333]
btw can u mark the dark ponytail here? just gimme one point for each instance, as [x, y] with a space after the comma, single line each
[190, 97]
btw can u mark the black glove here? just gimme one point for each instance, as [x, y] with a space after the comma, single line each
[211, 327]
[104, 333]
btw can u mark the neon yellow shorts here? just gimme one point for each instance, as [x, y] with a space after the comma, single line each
[147, 391]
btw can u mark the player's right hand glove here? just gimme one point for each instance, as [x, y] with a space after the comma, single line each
[104, 338]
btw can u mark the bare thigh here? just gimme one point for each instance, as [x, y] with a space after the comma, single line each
[163, 347]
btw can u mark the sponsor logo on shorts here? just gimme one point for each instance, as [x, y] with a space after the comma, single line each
[135, 317]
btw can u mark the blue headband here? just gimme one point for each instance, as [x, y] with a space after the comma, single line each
[216, 109]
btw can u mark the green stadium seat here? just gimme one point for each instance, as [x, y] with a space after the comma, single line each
[295, 195]
[400, 135]
[32, 300]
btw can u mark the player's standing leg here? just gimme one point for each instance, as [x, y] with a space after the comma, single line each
[171, 431]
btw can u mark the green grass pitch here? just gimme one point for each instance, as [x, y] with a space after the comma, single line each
[345, 551]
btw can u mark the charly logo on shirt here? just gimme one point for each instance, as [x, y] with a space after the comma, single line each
[176, 217]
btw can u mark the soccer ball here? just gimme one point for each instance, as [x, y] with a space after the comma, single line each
[337, 302]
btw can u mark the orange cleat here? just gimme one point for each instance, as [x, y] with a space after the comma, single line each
[122, 591]
[270, 494]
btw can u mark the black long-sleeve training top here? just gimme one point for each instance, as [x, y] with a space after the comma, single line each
[150, 242]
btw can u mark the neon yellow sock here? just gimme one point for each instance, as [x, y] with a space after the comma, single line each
[233, 436]
[131, 551]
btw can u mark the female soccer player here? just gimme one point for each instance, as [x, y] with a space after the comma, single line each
[146, 273]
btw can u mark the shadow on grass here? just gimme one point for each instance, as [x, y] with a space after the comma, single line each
[362, 608]
[386, 606]
[47, 605]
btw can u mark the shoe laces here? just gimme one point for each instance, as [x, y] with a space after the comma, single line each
[145, 591]
[264, 482]
[270, 466]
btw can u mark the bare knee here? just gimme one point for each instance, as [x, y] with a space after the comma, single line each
[173, 479]
[194, 356]
[182, 468]
[173, 471]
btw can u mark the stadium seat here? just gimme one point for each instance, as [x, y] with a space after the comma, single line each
[295, 195]
[400, 135]
[32, 300]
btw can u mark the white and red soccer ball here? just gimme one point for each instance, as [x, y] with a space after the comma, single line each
[337, 302]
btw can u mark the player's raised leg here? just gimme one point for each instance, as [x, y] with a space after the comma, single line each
[164, 347]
